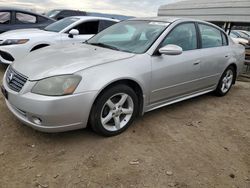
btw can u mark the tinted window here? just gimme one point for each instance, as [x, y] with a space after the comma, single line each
[63, 14]
[4, 17]
[210, 36]
[105, 24]
[184, 36]
[42, 19]
[25, 18]
[88, 28]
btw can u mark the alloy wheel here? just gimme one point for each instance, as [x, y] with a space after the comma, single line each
[227, 81]
[117, 111]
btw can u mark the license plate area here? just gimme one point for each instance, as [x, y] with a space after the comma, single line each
[4, 92]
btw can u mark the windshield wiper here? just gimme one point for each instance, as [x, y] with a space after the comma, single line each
[104, 46]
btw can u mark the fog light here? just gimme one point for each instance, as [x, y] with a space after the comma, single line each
[37, 120]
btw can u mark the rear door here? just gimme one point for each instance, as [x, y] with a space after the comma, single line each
[174, 76]
[216, 52]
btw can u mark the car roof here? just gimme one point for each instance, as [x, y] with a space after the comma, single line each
[93, 18]
[23, 10]
[159, 19]
[174, 19]
[66, 10]
[168, 19]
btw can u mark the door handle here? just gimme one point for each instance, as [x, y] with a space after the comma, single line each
[197, 62]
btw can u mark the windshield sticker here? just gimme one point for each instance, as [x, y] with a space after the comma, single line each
[159, 23]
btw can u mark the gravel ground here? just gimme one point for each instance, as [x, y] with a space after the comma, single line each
[199, 143]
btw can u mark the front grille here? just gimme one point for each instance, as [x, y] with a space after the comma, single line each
[15, 80]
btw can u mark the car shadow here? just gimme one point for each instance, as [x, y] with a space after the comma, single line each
[88, 134]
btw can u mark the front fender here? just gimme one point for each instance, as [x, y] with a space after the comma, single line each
[137, 69]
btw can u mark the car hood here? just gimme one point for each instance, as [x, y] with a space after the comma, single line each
[59, 60]
[25, 34]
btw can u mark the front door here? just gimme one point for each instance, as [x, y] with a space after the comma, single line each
[174, 76]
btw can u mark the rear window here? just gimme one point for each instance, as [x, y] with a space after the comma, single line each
[4, 17]
[88, 28]
[25, 18]
[210, 36]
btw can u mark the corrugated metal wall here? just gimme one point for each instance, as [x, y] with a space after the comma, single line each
[209, 10]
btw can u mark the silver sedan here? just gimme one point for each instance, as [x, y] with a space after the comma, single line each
[126, 70]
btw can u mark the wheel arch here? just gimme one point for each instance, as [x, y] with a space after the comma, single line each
[138, 89]
[235, 70]
[39, 46]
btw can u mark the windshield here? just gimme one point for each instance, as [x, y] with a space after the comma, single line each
[247, 33]
[243, 35]
[52, 13]
[61, 24]
[129, 36]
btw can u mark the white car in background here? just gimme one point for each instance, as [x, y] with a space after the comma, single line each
[17, 44]
[240, 41]
[239, 37]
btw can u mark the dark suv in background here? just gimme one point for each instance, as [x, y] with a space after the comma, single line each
[11, 19]
[59, 14]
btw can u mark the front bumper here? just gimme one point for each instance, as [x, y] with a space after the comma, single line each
[51, 114]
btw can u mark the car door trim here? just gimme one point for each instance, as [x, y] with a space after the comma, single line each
[179, 99]
[176, 85]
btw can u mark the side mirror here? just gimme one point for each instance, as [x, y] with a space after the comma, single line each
[73, 32]
[171, 50]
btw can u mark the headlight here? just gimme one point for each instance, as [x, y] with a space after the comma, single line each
[14, 41]
[57, 86]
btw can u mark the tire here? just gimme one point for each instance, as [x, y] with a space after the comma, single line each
[226, 82]
[114, 110]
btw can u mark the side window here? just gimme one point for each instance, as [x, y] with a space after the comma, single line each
[103, 24]
[24, 18]
[4, 17]
[88, 28]
[210, 36]
[41, 19]
[184, 36]
[66, 13]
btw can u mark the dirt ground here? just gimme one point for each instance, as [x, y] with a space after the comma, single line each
[199, 143]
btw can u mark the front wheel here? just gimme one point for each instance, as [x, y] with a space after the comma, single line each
[114, 110]
[226, 81]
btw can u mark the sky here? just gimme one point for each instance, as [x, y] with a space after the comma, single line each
[125, 7]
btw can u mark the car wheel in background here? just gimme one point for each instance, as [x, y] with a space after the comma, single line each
[114, 110]
[226, 81]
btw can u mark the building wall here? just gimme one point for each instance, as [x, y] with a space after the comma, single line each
[209, 10]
